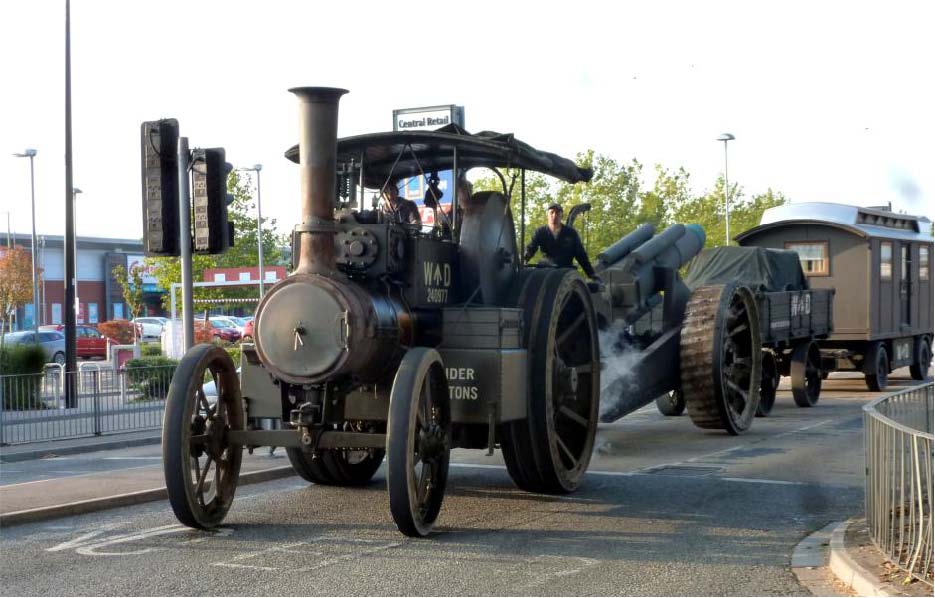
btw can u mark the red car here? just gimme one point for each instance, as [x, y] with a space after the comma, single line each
[248, 332]
[89, 342]
[230, 335]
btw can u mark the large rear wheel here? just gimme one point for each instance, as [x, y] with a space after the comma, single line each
[201, 467]
[419, 442]
[336, 467]
[550, 450]
[720, 353]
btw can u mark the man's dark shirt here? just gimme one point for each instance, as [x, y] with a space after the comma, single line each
[561, 248]
[405, 212]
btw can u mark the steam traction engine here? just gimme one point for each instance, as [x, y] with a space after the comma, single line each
[390, 342]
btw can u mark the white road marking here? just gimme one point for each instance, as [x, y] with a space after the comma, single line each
[89, 545]
[132, 459]
[584, 563]
[759, 481]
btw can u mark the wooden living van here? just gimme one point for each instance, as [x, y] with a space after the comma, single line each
[880, 265]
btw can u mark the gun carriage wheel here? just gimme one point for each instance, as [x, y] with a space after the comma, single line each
[769, 384]
[550, 450]
[419, 441]
[201, 466]
[805, 370]
[720, 352]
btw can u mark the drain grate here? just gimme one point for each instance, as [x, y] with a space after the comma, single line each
[690, 471]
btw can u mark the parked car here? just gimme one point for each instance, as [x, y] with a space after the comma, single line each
[89, 342]
[248, 331]
[52, 342]
[227, 322]
[216, 332]
[152, 326]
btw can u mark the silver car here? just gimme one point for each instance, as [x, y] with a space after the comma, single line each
[152, 326]
[52, 343]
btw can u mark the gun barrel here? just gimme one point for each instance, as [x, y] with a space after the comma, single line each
[625, 245]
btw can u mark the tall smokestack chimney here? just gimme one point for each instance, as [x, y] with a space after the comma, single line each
[318, 136]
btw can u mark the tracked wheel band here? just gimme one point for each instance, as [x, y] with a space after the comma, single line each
[721, 358]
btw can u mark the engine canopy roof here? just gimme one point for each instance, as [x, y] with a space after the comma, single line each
[398, 154]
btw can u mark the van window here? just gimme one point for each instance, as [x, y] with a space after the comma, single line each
[923, 263]
[813, 255]
[886, 260]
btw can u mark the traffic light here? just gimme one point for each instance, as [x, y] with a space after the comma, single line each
[213, 232]
[160, 164]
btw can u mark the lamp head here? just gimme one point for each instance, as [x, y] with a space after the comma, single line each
[27, 153]
[726, 137]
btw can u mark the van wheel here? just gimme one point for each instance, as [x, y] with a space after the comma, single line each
[876, 367]
[923, 359]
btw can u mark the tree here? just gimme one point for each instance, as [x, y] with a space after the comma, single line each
[241, 212]
[708, 211]
[15, 284]
[132, 287]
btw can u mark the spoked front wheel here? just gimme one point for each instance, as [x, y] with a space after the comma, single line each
[201, 466]
[419, 442]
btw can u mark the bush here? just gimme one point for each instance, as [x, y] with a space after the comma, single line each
[22, 359]
[119, 330]
[151, 376]
[22, 367]
[234, 352]
[151, 350]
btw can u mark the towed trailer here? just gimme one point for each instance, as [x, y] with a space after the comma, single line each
[879, 264]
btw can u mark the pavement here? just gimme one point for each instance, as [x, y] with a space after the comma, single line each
[45, 481]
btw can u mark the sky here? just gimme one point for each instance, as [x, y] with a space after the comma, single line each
[827, 101]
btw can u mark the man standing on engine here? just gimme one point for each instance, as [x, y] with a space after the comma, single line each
[560, 244]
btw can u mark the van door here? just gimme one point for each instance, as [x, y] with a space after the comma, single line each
[885, 307]
[905, 285]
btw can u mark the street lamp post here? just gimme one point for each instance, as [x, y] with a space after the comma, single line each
[31, 154]
[74, 248]
[725, 137]
[259, 223]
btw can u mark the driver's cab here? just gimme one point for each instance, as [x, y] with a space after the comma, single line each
[466, 249]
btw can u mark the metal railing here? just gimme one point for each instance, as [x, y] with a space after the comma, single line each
[33, 407]
[899, 480]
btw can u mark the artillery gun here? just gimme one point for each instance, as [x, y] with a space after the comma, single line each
[701, 347]
[392, 342]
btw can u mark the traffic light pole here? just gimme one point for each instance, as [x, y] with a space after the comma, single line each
[185, 245]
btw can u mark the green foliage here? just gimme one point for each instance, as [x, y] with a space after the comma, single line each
[242, 212]
[22, 359]
[21, 382]
[234, 352]
[151, 350]
[151, 376]
[619, 202]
